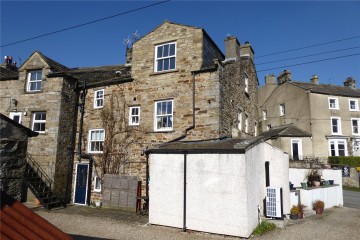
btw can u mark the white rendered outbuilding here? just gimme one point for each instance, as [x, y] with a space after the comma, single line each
[225, 185]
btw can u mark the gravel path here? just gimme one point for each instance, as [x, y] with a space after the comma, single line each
[335, 223]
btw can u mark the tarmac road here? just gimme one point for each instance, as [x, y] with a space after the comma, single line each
[95, 224]
[351, 199]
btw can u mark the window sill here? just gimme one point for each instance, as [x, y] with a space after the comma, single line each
[164, 72]
[33, 92]
[163, 131]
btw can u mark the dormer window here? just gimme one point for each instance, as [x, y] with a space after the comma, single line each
[165, 57]
[34, 81]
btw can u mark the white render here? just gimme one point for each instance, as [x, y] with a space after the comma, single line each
[224, 191]
[298, 175]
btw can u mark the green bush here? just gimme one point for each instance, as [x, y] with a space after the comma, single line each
[348, 161]
[264, 227]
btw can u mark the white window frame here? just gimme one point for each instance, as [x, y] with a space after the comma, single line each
[336, 104]
[246, 80]
[264, 114]
[156, 116]
[13, 114]
[282, 109]
[101, 141]
[240, 120]
[157, 58]
[336, 146]
[246, 123]
[132, 116]
[356, 105]
[299, 142]
[358, 126]
[338, 126]
[35, 81]
[99, 101]
[37, 121]
[97, 179]
[255, 129]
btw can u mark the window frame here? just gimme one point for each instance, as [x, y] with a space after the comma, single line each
[90, 141]
[336, 146]
[96, 98]
[356, 105]
[282, 109]
[96, 179]
[164, 129]
[255, 129]
[132, 123]
[36, 121]
[13, 114]
[246, 123]
[163, 58]
[246, 81]
[358, 126]
[336, 107]
[264, 114]
[339, 132]
[239, 120]
[300, 152]
[29, 81]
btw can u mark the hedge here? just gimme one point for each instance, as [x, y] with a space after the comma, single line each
[348, 161]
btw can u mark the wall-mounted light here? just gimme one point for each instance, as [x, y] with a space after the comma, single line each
[14, 102]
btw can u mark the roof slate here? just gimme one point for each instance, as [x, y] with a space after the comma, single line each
[328, 89]
[54, 65]
[7, 74]
[289, 130]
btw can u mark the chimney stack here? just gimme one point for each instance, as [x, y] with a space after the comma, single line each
[232, 47]
[314, 79]
[285, 76]
[247, 51]
[270, 79]
[350, 82]
[128, 54]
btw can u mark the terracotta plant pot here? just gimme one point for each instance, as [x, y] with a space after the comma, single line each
[301, 215]
[319, 210]
[316, 183]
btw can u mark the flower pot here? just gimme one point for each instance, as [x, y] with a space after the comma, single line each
[319, 210]
[316, 183]
[331, 182]
[294, 216]
[301, 215]
[291, 186]
[37, 202]
[304, 185]
[97, 203]
[327, 183]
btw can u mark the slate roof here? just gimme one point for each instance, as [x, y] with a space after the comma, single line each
[328, 89]
[54, 65]
[29, 132]
[7, 74]
[19, 222]
[289, 130]
[225, 145]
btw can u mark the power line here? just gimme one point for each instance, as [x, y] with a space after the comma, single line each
[84, 24]
[309, 46]
[321, 60]
[310, 55]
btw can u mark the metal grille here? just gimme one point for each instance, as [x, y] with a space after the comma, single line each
[273, 202]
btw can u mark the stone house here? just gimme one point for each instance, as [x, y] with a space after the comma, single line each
[176, 85]
[329, 113]
[46, 106]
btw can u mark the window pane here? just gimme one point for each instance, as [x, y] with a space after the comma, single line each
[169, 107]
[166, 64]
[163, 108]
[158, 108]
[160, 65]
[159, 52]
[172, 63]
[172, 49]
[166, 50]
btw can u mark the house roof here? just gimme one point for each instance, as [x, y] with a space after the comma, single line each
[289, 130]
[8, 74]
[54, 65]
[29, 132]
[224, 145]
[19, 222]
[328, 89]
[98, 76]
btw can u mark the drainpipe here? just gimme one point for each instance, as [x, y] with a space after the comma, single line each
[82, 111]
[184, 213]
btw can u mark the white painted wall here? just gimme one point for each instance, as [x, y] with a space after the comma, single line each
[332, 196]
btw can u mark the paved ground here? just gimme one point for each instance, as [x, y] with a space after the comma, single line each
[98, 224]
[351, 199]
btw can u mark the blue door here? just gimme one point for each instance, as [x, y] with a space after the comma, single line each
[81, 183]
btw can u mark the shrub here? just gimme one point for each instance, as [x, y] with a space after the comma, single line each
[301, 207]
[294, 210]
[318, 204]
[313, 175]
[263, 228]
[348, 161]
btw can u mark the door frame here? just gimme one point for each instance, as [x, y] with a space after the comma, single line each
[12, 114]
[300, 150]
[87, 183]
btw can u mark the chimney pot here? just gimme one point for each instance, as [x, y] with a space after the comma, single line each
[350, 82]
[285, 76]
[314, 79]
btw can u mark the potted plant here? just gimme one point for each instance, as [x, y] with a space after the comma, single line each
[291, 186]
[314, 177]
[294, 212]
[318, 206]
[301, 210]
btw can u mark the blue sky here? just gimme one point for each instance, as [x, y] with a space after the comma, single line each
[270, 27]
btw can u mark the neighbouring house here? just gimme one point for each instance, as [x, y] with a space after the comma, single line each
[216, 186]
[46, 105]
[329, 113]
[176, 85]
[13, 145]
[291, 139]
